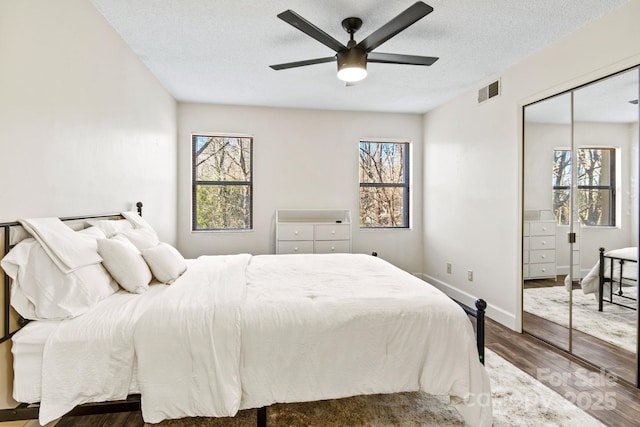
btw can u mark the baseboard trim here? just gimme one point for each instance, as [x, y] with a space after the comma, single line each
[495, 313]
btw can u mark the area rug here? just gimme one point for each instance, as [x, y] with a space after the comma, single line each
[518, 400]
[615, 325]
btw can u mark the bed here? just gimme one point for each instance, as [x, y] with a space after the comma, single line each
[614, 270]
[240, 331]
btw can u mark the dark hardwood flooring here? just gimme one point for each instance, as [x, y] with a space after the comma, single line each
[616, 360]
[572, 378]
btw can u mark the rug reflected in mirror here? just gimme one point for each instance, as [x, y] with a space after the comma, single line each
[615, 325]
[518, 400]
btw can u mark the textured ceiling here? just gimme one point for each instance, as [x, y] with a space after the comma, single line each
[608, 100]
[219, 51]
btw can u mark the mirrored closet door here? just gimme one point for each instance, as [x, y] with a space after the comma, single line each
[580, 222]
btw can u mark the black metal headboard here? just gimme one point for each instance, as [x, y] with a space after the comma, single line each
[6, 227]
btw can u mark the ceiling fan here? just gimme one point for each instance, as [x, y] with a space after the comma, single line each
[352, 59]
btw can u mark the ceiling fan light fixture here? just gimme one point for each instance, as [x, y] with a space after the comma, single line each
[352, 65]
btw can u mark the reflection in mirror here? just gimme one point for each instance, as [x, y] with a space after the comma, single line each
[545, 300]
[606, 149]
[580, 175]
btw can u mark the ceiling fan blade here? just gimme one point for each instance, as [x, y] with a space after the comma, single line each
[395, 58]
[292, 18]
[410, 16]
[302, 63]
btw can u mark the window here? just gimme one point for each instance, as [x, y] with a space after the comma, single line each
[222, 183]
[384, 184]
[596, 178]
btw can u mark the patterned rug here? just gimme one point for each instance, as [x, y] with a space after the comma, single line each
[614, 324]
[518, 400]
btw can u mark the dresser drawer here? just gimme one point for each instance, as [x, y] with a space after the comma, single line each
[542, 270]
[542, 228]
[295, 232]
[295, 247]
[332, 246]
[542, 256]
[542, 242]
[332, 232]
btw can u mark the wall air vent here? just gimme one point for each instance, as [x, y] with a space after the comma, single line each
[489, 91]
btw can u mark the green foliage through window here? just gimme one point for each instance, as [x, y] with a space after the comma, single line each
[596, 186]
[222, 182]
[384, 184]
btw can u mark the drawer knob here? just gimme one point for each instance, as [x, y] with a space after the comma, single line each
[544, 243]
[544, 270]
[544, 256]
[295, 232]
[295, 249]
[333, 231]
[333, 248]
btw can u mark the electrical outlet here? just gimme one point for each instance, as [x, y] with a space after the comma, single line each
[448, 268]
[470, 275]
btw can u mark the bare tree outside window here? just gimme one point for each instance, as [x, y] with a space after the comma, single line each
[222, 182]
[384, 184]
[596, 186]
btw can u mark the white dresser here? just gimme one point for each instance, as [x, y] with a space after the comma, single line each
[539, 245]
[313, 231]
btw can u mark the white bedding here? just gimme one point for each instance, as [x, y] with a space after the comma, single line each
[303, 328]
[27, 347]
[91, 358]
[590, 282]
[188, 344]
[311, 327]
[66, 248]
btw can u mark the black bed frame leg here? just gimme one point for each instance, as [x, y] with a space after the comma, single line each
[261, 420]
[601, 279]
[481, 305]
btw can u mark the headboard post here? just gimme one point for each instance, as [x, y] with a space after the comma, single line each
[7, 284]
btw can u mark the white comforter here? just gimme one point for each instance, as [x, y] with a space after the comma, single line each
[591, 281]
[188, 344]
[238, 332]
[309, 327]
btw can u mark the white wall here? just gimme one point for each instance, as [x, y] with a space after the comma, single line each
[540, 142]
[303, 159]
[84, 126]
[473, 163]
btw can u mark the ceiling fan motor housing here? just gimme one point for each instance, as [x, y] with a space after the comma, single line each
[352, 58]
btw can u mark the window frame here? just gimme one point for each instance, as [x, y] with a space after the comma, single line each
[611, 188]
[195, 183]
[406, 184]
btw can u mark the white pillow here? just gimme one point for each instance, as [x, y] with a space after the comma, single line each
[142, 238]
[138, 221]
[124, 262]
[112, 226]
[40, 290]
[166, 263]
[92, 234]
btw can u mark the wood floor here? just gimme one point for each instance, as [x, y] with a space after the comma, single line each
[614, 359]
[573, 379]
